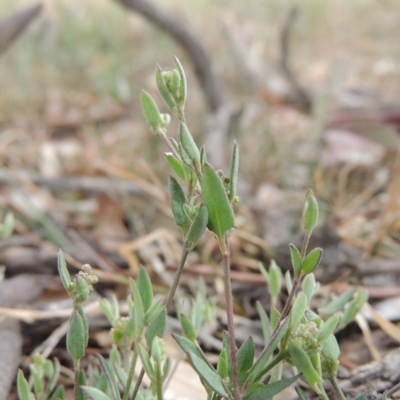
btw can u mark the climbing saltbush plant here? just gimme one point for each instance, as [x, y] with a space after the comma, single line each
[203, 198]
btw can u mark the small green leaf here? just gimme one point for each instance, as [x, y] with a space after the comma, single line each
[138, 310]
[59, 394]
[175, 164]
[188, 328]
[288, 280]
[298, 309]
[197, 227]
[328, 327]
[63, 271]
[311, 261]
[275, 279]
[265, 323]
[174, 84]
[8, 225]
[94, 394]
[112, 384]
[178, 200]
[220, 214]
[151, 112]
[85, 325]
[23, 387]
[76, 337]
[146, 362]
[245, 358]
[189, 145]
[183, 84]
[222, 366]
[156, 327]
[270, 390]
[203, 155]
[233, 171]
[164, 92]
[158, 350]
[354, 307]
[152, 313]
[295, 256]
[330, 350]
[338, 303]
[208, 374]
[302, 362]
[145, 289]
[310, 212]
[309, 286]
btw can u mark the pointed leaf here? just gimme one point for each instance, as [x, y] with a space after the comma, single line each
[220, 214]
[85, 325]
[112, 383]
[298, 309]
[295, 256]
[76, 337]
[265, 323]
[197, 227]
[233, 171]
[328, 327]
[338, 303]
[138, 309]
[189, 145]
[188, 328]
[59, 394]
[175, 164]
[275, 279]
[151, 112]
[245, 358]
[208, 374]
[310, 212]
[145, 289]
[183, 84]
[311, 261]
[178, 200]
[94, 394]
[270, 390]
[63, 271]
[144, 356]
[23, 387]
[156, 328]
[222, 366]
[302, 362]
[164, 92]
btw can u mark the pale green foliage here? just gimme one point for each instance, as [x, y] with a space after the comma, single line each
[203, 198]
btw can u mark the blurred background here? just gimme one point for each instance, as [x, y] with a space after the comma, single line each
[310, 90]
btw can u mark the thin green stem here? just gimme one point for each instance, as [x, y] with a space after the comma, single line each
[177, 278]
[336, 387]
[159, 383]
[131, 370]
[77, 370]
[168, 303]
[229, 314]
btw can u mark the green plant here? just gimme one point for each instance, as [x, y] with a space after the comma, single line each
[201, 198]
